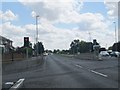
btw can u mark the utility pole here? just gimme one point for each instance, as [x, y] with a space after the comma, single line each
[37, 35]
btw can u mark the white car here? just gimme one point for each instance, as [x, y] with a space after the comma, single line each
[45, 54]
[115, 54]
[104, 53]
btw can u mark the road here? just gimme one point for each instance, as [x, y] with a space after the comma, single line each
[59, 71]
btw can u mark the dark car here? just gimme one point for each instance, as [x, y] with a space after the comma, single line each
[113, 54]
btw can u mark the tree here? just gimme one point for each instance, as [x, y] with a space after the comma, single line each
[40, 48]
[85, 46]
[80, 46]
[64, 52]
[102, 49]
[48, 51]
[56, 51]
[110, 48]
[74, 46]
[22, 50]
[116, 47]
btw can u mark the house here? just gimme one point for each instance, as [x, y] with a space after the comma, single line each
[5, 44]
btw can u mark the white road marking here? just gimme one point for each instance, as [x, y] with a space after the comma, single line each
[79, 66]
[10, 83]
[99, 73]
[18, 84]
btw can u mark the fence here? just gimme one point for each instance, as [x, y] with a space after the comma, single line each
[12, 56]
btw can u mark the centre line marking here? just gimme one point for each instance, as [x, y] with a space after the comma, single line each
[99, 73]
[79, 66]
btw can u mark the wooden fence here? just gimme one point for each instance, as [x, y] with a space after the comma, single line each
[12, 56]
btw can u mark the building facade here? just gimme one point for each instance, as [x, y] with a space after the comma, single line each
[5, 45]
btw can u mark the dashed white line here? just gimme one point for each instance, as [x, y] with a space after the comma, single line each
[99, 73]
[79, 66]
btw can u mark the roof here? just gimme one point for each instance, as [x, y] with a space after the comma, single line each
[3, 38]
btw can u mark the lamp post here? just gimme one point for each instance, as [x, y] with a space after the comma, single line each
[90, 42]
[37, 34]
[115, 37]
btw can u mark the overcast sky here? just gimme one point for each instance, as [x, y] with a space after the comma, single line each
[60, 22]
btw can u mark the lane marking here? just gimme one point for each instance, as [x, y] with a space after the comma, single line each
[99, 73]
[18, 84]
[9, 83]
[79, 66]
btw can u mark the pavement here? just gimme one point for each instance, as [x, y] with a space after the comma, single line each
[89, 56]
[59, 71]
[16, 66]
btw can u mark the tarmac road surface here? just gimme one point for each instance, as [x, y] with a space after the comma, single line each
[59, 71]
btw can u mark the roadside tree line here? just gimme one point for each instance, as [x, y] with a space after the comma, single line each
[78, 46]
[32, 51]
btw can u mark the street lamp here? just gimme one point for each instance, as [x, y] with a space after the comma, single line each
[37, 16]
[115, 37]
[90, 42]
[115, 32]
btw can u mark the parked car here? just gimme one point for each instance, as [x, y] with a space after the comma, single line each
[104, 53]
[45, 54]
[115, 54]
